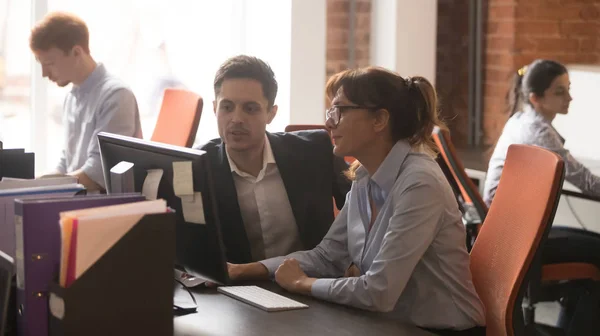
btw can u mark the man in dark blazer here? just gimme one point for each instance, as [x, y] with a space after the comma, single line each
[274, 190]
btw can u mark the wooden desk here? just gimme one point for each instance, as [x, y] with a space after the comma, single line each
[221, 315]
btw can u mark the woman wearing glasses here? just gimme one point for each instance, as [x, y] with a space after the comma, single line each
[397, 246]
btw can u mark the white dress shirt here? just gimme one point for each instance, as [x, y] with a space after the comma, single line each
[102, 103]
[531, 128]
[413, 261]
[265, 209]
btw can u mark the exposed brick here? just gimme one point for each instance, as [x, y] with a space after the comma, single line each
[524, 43]
[338, 21]
[516, 33]
[495, 75]
[525, 11]
[543, 28]
[554, 11]
[503, 59]
[501, 28]
[590, 12]
[579, 28]
[588, 44]
[337, 37]
[337, 54]
[578, 59]
[337, 6]
[501, 12]
[554, 44]
[500, 43]
[362, 37]
[565, 30]
[363, 21]
[567, 2]
[338, 24]
[501, 2]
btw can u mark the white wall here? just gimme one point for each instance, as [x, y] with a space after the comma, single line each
[580, 126]
[308, 53]
[403, 36]
[291, 35]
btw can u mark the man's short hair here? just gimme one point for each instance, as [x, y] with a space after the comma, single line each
[60, 30]
[248, 67]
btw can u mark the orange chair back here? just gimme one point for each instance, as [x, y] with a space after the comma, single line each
[305, 127]
[178, 118]
[516, 225]
[468, 189]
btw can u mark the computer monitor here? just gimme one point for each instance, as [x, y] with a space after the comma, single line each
[17, 164]
[199, 247]
[7, 271]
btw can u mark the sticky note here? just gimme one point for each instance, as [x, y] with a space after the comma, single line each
[193, 208]
[151, 183]
[66, 227]
[183, 182]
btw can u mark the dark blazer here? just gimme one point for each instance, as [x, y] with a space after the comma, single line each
[311, 175]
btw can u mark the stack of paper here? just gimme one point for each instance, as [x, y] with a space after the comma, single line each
[21, 191]
[89, 233]
[14, 183]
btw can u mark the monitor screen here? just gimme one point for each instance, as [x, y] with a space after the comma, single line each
[16, 163]
[199, 246]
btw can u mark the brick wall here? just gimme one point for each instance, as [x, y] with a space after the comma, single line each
[452, 78]
[519, 31]
[338, 24]
[516, 33]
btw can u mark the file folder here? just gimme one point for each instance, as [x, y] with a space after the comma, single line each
[7, 270]
[7, 208]
[127, 291]
[38, 252]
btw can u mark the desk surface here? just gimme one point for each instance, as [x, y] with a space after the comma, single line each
[221, 315]
[476, 158]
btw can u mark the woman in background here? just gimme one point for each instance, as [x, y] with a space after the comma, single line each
[539, 92]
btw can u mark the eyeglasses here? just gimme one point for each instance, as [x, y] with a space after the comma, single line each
[335, 112]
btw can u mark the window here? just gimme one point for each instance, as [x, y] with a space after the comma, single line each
[15, 73]
[152, 45]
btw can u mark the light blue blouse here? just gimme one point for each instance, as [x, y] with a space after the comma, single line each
[414, 263]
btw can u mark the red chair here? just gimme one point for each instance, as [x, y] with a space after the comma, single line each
[507, 251]
[305, 127]
[554, 279]
[178, 118]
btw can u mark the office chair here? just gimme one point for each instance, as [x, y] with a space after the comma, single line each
[304, 127]
[558, 279]
[506, 254]
[475, 209]
[178, 118]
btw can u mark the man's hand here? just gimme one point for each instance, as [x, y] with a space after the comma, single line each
[251, 271]
[89, 184]
[291, 277]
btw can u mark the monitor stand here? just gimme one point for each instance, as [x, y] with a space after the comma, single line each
[122, 178]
